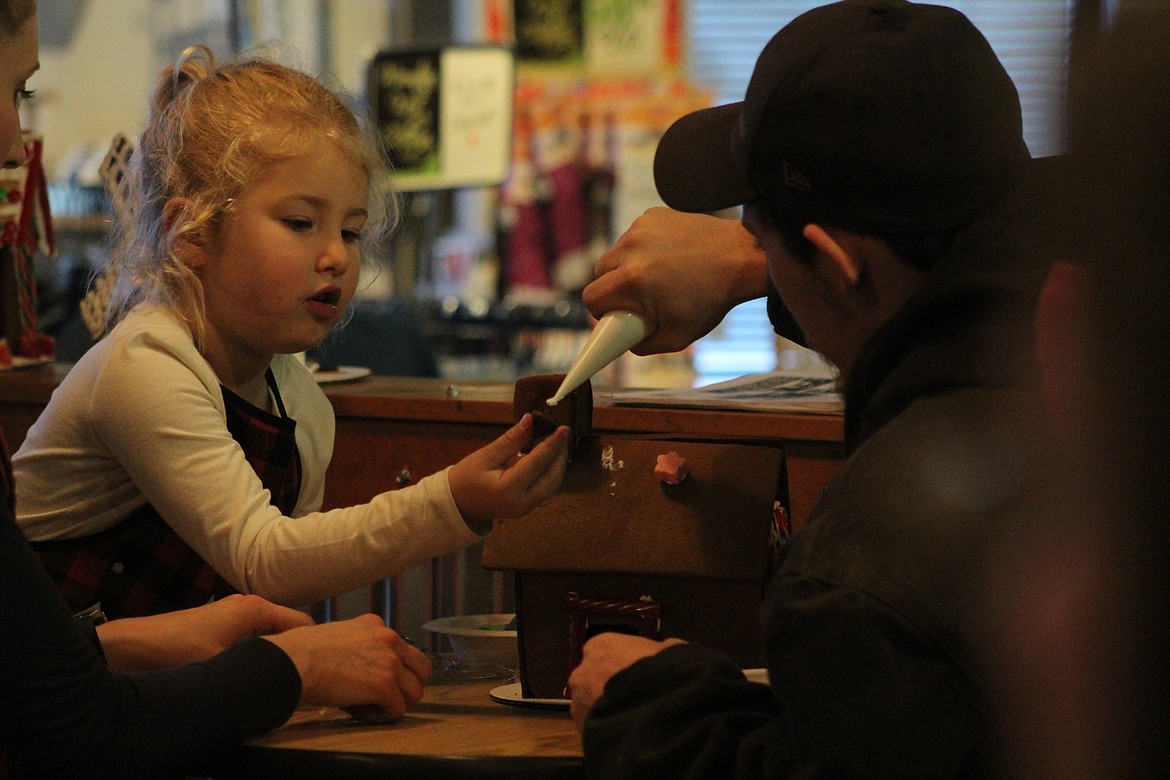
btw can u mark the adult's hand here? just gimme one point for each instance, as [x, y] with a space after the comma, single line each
[681, 272]
[495, 482]
[602, 657]
[191, 635]
[356, 663]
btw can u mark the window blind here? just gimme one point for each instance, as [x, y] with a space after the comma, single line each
[1030, 37]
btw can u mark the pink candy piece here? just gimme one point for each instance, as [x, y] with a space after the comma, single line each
[671, 468]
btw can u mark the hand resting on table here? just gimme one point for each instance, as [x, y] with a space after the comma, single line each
[602, 657]
[355, 664]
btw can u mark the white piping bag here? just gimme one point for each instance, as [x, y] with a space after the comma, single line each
[615, 333]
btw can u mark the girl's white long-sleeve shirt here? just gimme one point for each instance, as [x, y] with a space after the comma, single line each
[140, 419]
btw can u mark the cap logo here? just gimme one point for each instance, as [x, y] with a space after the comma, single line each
[794, 179]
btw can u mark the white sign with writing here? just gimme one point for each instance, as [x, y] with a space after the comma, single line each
[445, 116]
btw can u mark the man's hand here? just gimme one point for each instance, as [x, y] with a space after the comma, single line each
[681, 272]
[354, 663]
[602, 657]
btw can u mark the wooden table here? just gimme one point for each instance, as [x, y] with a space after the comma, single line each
[456, 731]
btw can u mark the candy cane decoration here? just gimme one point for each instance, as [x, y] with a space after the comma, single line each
[27, 229]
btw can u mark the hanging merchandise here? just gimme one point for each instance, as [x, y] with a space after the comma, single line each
[527, 258]
[585, 69]
[597, 166]
[581, 171]
[639, 124]
[598, 82]
[27, 232]
[557, 150]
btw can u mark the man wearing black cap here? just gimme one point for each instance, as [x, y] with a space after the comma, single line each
[880, 161]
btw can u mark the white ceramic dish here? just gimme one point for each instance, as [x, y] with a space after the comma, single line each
[510, 694]
[478, 638]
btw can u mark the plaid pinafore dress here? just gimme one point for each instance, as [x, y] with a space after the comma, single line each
[141, 566]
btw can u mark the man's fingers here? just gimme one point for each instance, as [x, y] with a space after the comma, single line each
[393, 702]
[410, 687]
[578, 711]
[581, 701]
[413, 660]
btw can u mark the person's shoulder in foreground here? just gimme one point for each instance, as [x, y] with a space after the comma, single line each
[874, 136]
[66, 714]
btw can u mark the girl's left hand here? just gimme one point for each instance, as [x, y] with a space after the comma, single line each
[496, 481]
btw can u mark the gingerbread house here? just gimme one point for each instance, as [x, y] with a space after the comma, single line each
[632, 546]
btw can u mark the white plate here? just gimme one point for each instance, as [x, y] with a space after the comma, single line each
[341, 374]
[473, 625]
[510, 694]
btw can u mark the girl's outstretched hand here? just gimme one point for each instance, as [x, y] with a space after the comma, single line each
[496, 481]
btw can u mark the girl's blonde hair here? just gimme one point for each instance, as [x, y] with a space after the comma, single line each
[212, 130]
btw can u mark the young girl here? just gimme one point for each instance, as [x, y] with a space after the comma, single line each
[79, 699]
[184, 455]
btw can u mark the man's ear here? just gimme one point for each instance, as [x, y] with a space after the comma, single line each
[187, 246]
[842, 262]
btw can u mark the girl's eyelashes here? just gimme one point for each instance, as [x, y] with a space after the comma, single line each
[24, 95]
[304, 224]
[299, 224]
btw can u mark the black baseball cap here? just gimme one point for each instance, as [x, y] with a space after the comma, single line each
[877, 115]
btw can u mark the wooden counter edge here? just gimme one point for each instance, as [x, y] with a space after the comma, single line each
[487, 403]
[491, 403]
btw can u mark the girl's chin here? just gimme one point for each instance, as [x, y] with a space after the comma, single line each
[298, 347]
